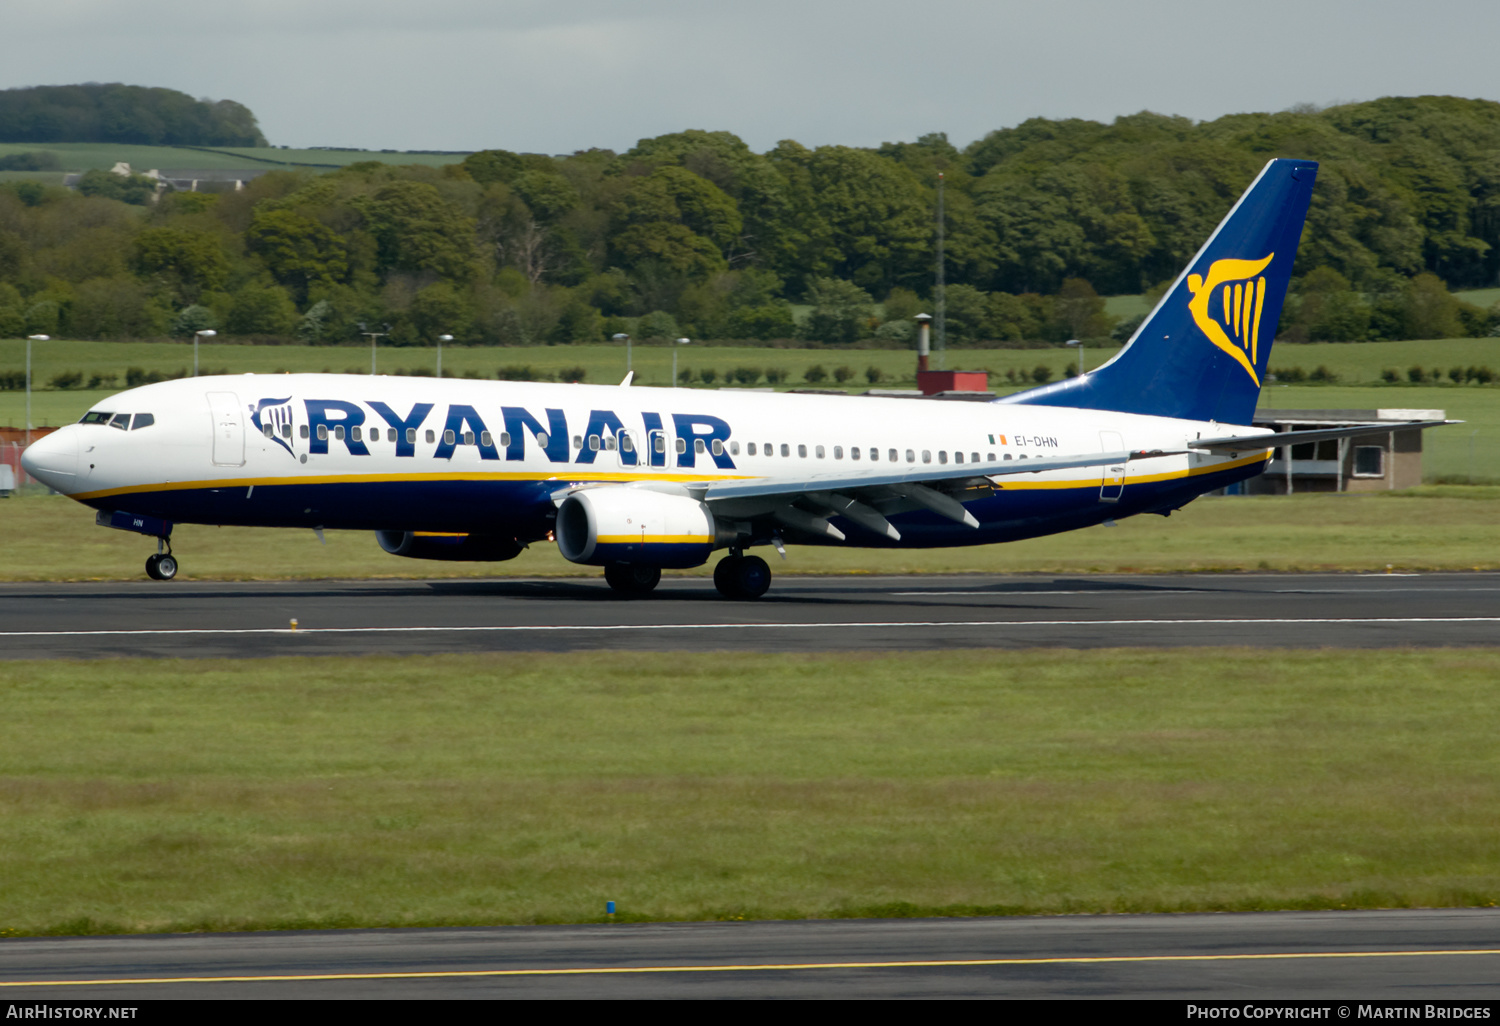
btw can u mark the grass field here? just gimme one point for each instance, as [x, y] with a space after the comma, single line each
[103, 156]
[285, 793]
[1437, 528]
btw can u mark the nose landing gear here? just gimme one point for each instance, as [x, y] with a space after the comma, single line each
[161, 565]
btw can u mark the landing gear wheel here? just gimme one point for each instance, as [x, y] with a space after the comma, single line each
[742, 577]
[632, 580]
[161, 566]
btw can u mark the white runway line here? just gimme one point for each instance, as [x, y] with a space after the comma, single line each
[884, 624]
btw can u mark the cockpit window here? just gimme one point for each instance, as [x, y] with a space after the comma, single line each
[96, 417]
[121, 421]
[142, 420]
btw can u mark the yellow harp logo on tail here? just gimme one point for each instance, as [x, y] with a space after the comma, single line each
[1233, 322]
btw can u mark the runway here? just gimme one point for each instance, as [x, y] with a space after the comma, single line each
[850, 613]
[1406, 955]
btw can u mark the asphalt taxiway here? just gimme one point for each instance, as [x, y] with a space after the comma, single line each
[1340, 957]
[238, 620]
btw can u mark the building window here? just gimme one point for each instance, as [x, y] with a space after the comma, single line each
[1369, 461]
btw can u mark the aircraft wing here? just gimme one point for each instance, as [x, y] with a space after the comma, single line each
[867, 497]
[1277, 439]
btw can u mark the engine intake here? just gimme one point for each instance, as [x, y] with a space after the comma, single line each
[635, 526]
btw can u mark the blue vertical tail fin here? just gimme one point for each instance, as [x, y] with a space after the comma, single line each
[1203, 352]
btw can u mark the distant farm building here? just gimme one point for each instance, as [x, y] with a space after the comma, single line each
[1372, 463]
[202, 179]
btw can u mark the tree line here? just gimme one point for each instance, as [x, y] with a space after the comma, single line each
[695, 234]
[116, 113]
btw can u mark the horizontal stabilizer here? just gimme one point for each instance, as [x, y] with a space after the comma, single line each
[1277, 439]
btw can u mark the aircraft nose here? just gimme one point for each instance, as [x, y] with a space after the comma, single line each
[53, 459]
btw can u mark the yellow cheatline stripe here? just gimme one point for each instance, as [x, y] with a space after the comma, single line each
[770, 967]
[654, 539]
[246, 482]
[1007, 482]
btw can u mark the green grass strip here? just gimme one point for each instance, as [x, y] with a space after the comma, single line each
[305, 792]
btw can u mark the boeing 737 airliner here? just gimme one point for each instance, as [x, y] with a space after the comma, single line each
[637, 480]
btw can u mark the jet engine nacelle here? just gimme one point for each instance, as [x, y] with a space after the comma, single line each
[474, 548]
[635, 526]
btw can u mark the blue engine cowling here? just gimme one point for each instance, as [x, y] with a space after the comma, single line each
[473, 548]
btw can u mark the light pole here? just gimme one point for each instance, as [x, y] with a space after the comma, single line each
[1075, 342]
[30, 339]
[679, 342]
[373, 336]
[441, 340]
[622, 337]
[205, 333]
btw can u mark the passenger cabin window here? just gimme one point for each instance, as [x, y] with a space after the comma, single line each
[926, 455]
[322, 432]
[269, 431]
[942, 457]
[973, 457]
[286, 429]
[431, 437]
[1007, 455]
[958, 457]
[302, 430]
[698, 446]
[146, 420]
[338, 432]
[120, 421]
[802, 451]
[661, 443]
[468, 438]
[593, 443]
[390, 435]
[818, 452]
[838, 452]
[504, 439]
[750, 448]
[786, 450]
[448, 437]
[853, 452]
[893, 458]
[609, 443]
[911, 457]
[717, 448]
[486, 439]
[411, 436]
[626, 444]
[355, 434]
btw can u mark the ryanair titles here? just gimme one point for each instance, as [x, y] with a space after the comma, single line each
[651, 441]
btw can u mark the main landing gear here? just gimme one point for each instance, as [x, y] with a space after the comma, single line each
[742, 577]
[632, 580]
[162, 565]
